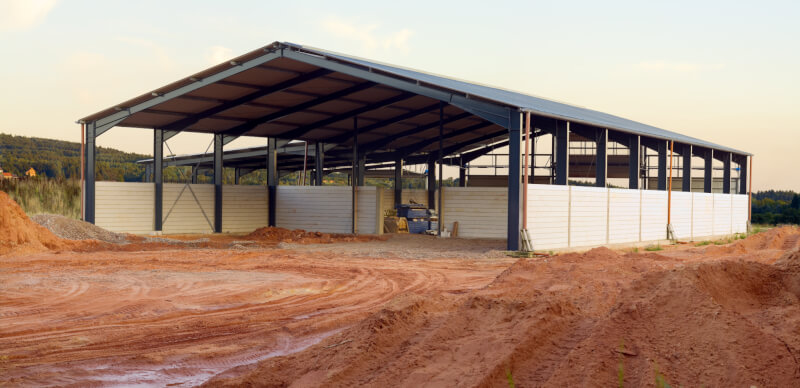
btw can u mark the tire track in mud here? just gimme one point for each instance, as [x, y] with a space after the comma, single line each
[142, 318]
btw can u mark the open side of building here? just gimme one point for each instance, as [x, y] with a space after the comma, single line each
[361, 115]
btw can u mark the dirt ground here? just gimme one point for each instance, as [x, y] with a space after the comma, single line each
[411, 311]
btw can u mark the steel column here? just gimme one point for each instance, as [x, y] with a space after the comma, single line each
[562, 152]
[89, 184]
[514, 179]
[687, 168]
[218, 183]
[462, 175]
[319, 163]
[194, 175]
[431, 182]
[441, 155]
[158, 179]
[662, 148]
[237, 174]
[726, 173]
[398, 182]
[743, 179]
[148, 172]
[354, 176]
[708, 170]
[272, 179]
[634, 146]
[362, 169]
[601, 171]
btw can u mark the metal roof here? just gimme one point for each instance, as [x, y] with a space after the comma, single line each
[291, 91]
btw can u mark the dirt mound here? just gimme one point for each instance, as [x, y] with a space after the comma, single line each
[780, 238]
[71, 229]
[19, 234]
[580, 319]
[299, 236]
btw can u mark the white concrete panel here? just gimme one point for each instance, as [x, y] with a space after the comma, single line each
[654, 215]
[682, 214]
[703, 215]
[244, 208]
[739, 213]
[368, 203]
[125, 206]
[315, 208]
[182, 213]
[624, 209]
[479, 211]
[722, 214]
[588, 217]
[548, 216]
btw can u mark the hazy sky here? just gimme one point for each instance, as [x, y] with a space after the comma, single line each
[723, 71]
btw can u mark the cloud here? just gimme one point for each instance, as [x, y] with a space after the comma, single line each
[23, 14]
[366, 35]
[677, 67]
[218, 54]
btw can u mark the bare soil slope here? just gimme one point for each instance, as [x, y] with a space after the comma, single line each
[578, 320]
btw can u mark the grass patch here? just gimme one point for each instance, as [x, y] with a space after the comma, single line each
[654, 248]
[45, 196]
[510, 378]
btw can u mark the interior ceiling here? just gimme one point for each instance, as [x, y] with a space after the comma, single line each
[287, 99]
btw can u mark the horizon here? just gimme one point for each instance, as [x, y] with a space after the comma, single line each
[721, 73]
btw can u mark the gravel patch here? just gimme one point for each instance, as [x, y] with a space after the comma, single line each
[71, 229]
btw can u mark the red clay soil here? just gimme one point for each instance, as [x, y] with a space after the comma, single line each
[18, 234]
[586, 319]
[299, 236]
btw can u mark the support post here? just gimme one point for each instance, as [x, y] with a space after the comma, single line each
[354, 176]
[462, 176]
[662, 150]
[319, 163]
[431, 182]
[272, 179]
[634, 146]
[362, 169]
[708, 171]
[514, 179]
[90, 173]
[743, 179]
[687, 168]
[237, 174]
[218, 182]
[726, 173]
[194, 175]
[562, 152]
[158, 179]
[601, 172]
[398, 182]
[441, 155]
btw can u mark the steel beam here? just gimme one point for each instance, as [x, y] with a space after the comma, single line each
[158, 179]
[662, 147]
[319, 163]
[302, 130]
[687, 168]
[380, 124]
[378, 144]
[514, 179]
[398, 182]
[218, 183]
[562, 152]
[416, 147]
[601, 171]
[108, 122]
[90, 173]
[245, 128]
[491, 112]
[726, 172]
[634, 157]
[272, 179]
[708, 170]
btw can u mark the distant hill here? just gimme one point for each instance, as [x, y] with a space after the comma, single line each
[61, 159]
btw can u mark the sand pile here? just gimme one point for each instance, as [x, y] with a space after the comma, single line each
[19, 234]
[278, 235]
[71, 229]
[780, 238]
[586, 319]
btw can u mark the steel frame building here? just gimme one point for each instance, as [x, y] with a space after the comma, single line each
[361, 113]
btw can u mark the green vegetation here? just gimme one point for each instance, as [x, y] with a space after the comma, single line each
[38, 196]
[776, 207]
[509, 378]
[653, 248]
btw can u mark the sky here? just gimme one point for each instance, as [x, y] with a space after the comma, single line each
[723, 71]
